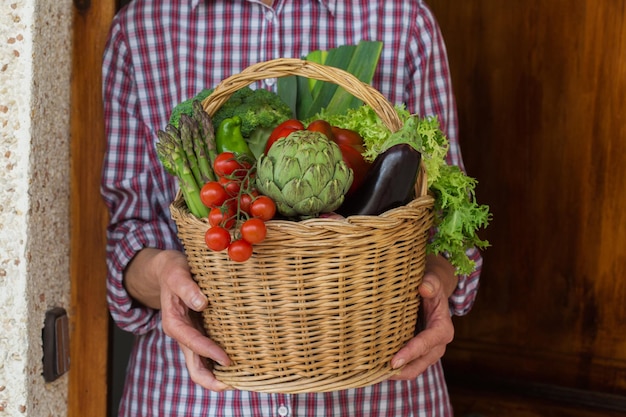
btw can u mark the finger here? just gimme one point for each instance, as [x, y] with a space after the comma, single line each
[430, 286]
[197, 342]
[175, 278]
[184, 287]
[420, 365]
[438, 334]
[200, 372]
[178, 325]
[415, 348]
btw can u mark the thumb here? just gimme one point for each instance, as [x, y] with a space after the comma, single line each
[430, 286]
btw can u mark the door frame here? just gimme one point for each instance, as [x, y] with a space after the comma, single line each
[89, 316]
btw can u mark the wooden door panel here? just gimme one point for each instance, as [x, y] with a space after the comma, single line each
[541, 89]
[500, 403]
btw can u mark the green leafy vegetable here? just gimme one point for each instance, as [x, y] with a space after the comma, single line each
[308, 96]
[458, 216]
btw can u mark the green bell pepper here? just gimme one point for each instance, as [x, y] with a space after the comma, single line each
[228, 138]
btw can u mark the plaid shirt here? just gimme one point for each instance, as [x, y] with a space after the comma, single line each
[161, 52]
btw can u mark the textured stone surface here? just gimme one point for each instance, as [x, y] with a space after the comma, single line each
[35, 62]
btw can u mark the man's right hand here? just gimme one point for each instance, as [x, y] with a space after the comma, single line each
[160, 279]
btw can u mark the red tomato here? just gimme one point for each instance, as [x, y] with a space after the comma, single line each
[291, 123]
[227, 164]
[217, 238]
[263, 207]
[245, 201]
[282, 131]
[253, 230]
[321, 126]
[348, 137]
[231, 186]
[240, 250]
[357, 163]
[222, 216]
[213, 194]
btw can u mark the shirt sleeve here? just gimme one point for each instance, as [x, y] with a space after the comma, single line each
[431, 94]
[134, 186]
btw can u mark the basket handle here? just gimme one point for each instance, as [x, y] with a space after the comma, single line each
[283, 67]
[421, 183]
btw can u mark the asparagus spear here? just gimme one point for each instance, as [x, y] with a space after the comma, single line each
[186, 128]
[201, 150]
[208, 130]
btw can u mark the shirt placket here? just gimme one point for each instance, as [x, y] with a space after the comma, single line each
[283, 405]
[270, 37]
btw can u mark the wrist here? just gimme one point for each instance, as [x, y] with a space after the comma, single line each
[141, 277]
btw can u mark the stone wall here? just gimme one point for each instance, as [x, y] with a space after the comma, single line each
[35, 65]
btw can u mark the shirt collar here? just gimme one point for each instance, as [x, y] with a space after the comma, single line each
[331, 5]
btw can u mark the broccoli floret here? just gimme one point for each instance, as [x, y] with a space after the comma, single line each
[260, 111]
[257, 108]
[231, 106]
[186, 107]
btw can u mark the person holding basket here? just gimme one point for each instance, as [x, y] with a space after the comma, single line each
[162, 52]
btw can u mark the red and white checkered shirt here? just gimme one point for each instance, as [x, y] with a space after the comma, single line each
[161, 52]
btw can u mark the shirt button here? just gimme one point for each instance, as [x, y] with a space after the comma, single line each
[269, 16]
[283, 411]
[270, 81]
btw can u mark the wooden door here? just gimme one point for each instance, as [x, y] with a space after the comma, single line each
[89, 314]
[541, 88]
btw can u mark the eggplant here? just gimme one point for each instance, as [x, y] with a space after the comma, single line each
[389, 183]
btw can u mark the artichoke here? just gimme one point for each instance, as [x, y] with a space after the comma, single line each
[304, 173]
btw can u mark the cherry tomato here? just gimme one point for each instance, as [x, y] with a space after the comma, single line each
[217, 238]
[245, 201]
[263, 207]
[348, 137]
[232, 186]
[213, 194]
[253, 230]
[227, 164]
[321, 126]
[282, 131]
[240, 250]
[222, 216]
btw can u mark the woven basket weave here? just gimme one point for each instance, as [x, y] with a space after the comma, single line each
[323, 304]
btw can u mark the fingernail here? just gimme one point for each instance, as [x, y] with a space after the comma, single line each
[428, 287]
[197, 302]
[397, 364]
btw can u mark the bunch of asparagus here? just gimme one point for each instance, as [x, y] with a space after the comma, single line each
[188, 152]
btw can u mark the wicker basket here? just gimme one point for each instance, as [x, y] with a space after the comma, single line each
[323, 304]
